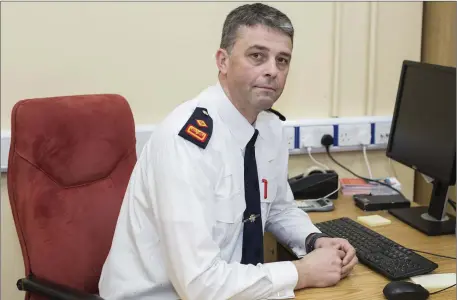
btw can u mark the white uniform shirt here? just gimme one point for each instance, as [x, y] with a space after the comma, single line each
[180, 231]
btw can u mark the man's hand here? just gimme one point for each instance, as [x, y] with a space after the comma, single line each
[350, 258]
[320, 268]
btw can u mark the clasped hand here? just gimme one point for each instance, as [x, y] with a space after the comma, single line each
[349, 260]
[332, 260]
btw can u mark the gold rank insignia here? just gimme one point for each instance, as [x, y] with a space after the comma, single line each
[198, 128]
[196, 133]
[201, 123]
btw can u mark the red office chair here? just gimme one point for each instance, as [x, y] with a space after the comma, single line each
[69, 164]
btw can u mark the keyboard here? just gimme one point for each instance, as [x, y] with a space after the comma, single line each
[378, 252]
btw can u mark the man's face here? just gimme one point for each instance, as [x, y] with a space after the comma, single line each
[257, 67]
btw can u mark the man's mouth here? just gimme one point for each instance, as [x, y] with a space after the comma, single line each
[266, 88]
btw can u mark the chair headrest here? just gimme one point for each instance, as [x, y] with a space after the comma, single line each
[74, 139]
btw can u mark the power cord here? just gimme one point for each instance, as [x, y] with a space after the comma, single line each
[392, 168]
[327, 141]
[315, 161]
[326, 196]
[322, 181]
[326, 168]
[366, 161]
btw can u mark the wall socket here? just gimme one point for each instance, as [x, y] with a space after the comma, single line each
[310, 136]
[354, 134]
[289, 131]
[349, 133]
[300, 134]
[382, 133]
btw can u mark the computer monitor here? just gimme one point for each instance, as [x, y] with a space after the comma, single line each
[423, 137]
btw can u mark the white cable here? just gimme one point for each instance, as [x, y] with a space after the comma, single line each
[315, 161]
[326, 196]
[392, 168]
[366, 161]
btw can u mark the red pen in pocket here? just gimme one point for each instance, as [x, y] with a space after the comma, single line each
[265, 188]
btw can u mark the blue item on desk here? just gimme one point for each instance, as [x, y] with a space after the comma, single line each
[403, 290]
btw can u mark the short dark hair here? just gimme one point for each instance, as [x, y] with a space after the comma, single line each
[252, 15]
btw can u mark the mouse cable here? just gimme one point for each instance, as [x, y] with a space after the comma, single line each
[439, 255]
[442, 290]
[361, 177]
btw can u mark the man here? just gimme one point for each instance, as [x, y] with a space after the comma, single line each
[213, 178]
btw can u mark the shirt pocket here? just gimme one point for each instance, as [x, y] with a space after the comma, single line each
[268, 191]
[228, 210]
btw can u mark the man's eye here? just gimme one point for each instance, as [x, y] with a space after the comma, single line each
[256, 55]
[282, 60]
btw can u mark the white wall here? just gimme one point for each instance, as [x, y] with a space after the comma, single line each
[346, 62]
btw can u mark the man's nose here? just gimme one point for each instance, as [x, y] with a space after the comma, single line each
[271, 68]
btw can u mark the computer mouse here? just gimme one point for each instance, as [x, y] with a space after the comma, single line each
[403, 290]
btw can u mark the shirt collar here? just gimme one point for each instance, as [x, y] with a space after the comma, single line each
[238, 125]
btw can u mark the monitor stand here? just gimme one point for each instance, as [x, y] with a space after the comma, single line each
[419, 218]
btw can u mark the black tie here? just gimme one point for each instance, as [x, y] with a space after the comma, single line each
[252, 232]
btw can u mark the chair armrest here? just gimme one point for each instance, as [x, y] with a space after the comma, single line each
[52, 290]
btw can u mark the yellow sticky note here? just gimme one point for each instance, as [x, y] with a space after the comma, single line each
[374, 220]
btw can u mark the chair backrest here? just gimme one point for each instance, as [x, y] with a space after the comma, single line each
[69, 165]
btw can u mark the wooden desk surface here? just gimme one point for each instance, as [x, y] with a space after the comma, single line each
[363, 283]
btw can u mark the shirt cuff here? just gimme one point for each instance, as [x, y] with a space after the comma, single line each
[300, 252]
[300, 249]
[284, 276]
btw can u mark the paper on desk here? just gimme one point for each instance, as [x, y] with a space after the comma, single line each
[435, 281]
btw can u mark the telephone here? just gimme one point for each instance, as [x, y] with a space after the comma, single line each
[316, 184]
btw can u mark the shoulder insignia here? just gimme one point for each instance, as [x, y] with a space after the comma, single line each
[281, 117]
[198, 128]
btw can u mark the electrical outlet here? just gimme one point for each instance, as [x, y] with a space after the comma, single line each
[354, 134]
[310, 136]
[289, 131]
[382, 132]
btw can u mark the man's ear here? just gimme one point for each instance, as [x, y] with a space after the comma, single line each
[222, 58]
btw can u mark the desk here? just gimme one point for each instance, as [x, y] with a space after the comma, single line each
[363, 283]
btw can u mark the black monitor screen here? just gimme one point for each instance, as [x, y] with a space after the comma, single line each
[423, 126]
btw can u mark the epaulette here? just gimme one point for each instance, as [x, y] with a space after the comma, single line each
[281, 117]
[198, 128]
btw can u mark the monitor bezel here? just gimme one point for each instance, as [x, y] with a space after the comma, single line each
[451, 180]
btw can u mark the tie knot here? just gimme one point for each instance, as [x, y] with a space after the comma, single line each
[253, 139]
